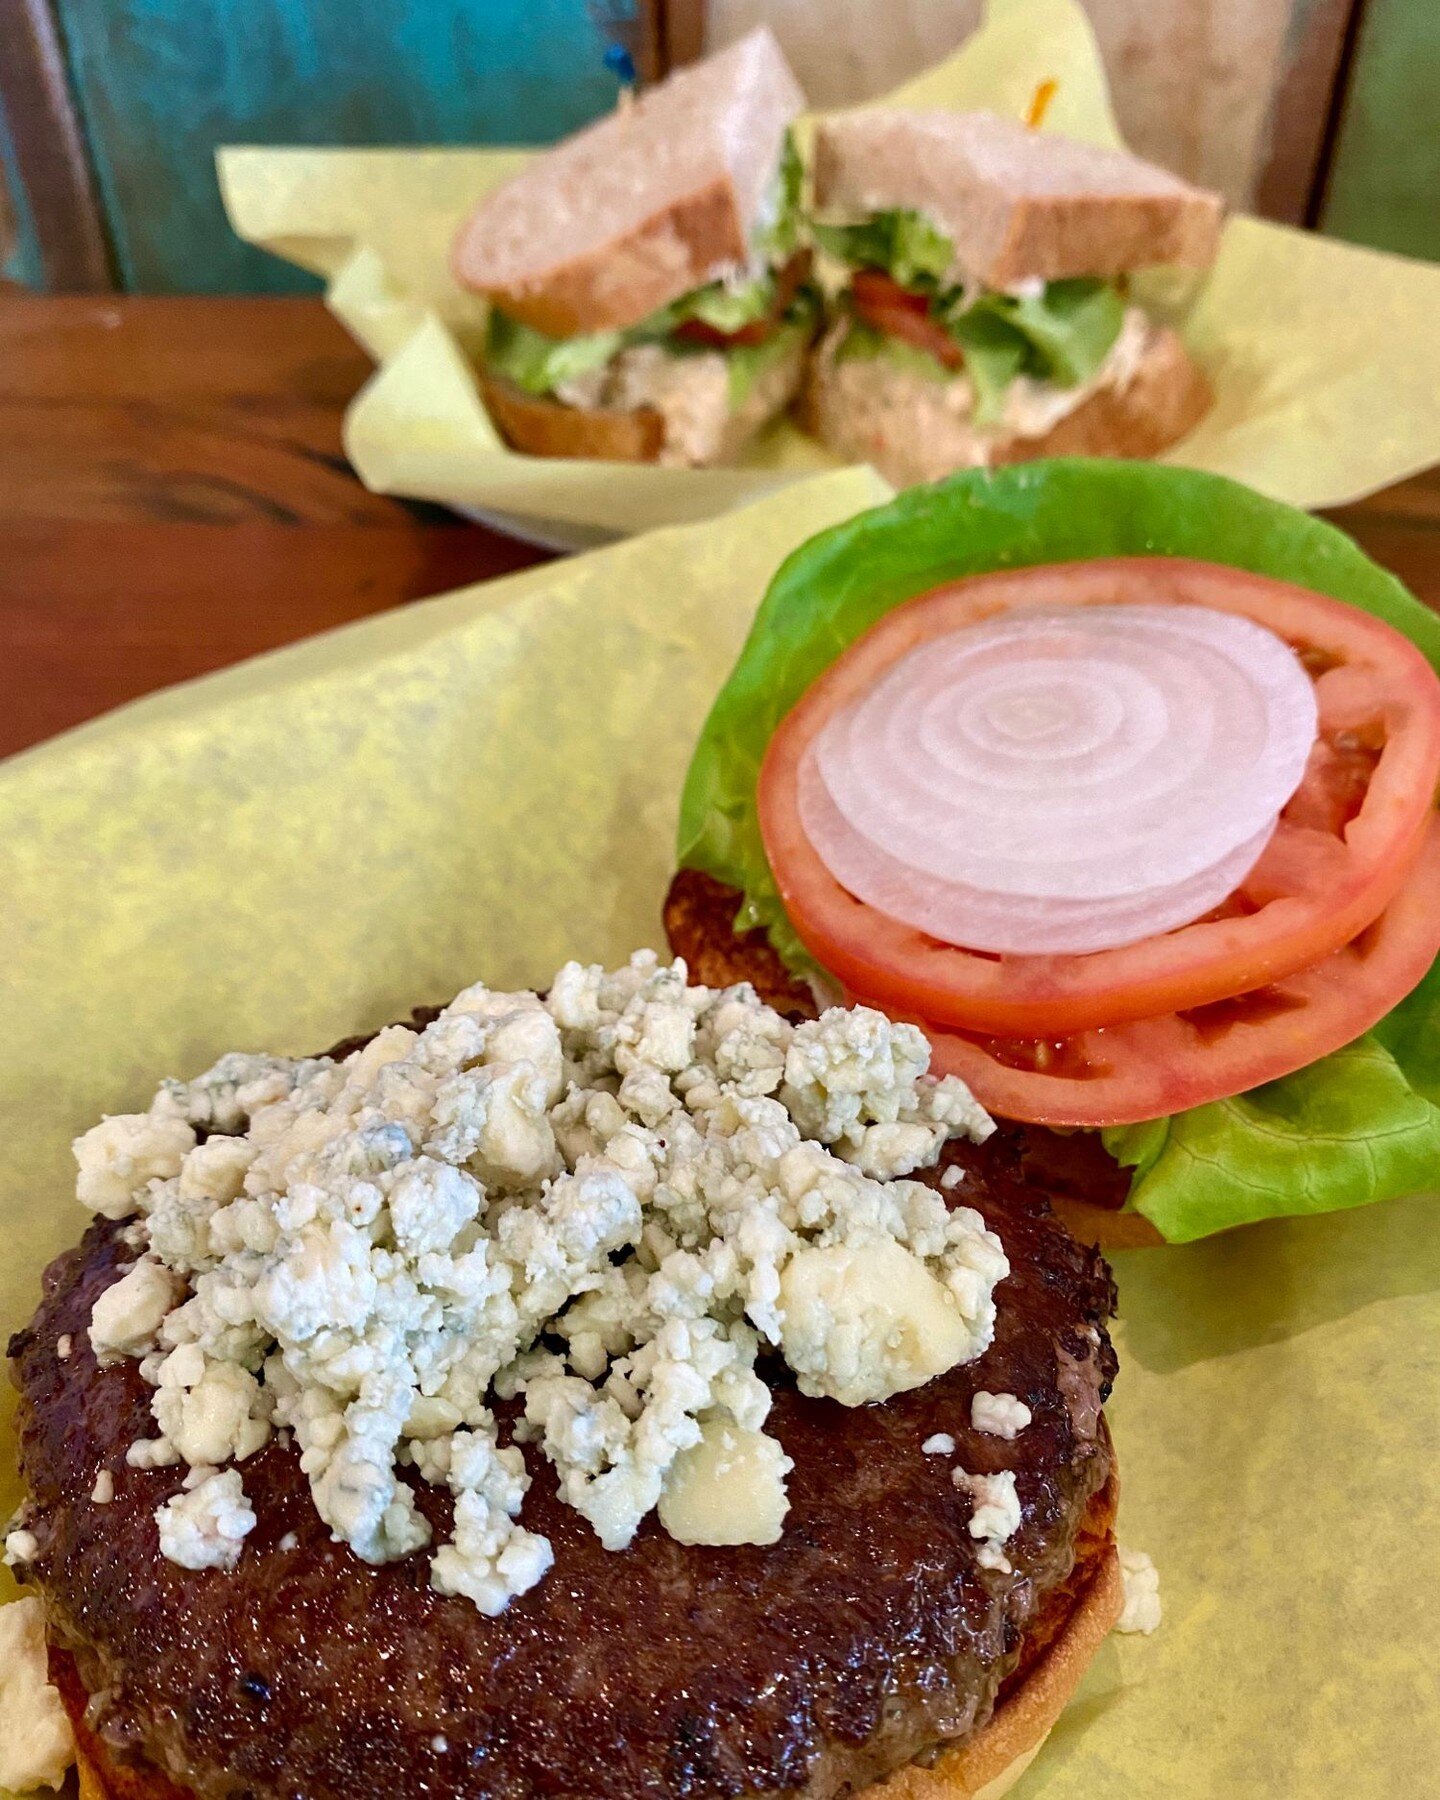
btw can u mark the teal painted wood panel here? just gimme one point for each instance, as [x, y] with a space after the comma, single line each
[1384, 186]
[161, 83]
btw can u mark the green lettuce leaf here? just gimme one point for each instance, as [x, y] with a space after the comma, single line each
[1061, 335]
[726, 308]
[905, 245]
[1348, 1130]
[862, 342]
[1070, 328]
[748, 362]
[995, 353]
[537, 363]
[1251, 1158]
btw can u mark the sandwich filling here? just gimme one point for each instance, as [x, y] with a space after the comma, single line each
[729, 336]
[616, 1206]
[1025, 355]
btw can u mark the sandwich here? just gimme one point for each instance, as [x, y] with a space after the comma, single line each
[1121, 783]
[985, 313]
[621, 1390]
[647, 282]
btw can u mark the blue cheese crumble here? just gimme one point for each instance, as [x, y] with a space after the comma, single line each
[602, 1204]
[36, 1743]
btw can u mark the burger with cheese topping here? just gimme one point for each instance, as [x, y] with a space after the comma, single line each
[621, 1390]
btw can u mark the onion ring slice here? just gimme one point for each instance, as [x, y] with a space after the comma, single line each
[980, 919]
[1088, 754]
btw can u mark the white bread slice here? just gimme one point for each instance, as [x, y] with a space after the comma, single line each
[913, 428]
[640, 207]
[684, 420]
[1016, 203]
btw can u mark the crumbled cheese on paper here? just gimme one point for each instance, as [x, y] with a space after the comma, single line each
[604, 1203]
[21, 1546]
[1141, 1579]
[36, 1744]
[940, 1444]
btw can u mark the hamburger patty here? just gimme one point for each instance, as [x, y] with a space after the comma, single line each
[864, 1638]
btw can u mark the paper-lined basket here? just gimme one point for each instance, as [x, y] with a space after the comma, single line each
[1324, 357]
[485, 784]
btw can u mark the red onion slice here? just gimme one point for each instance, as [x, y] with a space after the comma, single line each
[1060, 782]
[1087, 754]
[1006, 924]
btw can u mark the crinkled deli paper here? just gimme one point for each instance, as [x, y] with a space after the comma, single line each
[1324, 357]
[487, 784]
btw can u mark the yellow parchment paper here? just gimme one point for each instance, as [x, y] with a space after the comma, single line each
[1324, 357]
[487, 783]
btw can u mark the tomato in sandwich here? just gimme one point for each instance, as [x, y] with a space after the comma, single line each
[881, 302]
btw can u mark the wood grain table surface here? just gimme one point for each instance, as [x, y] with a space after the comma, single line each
[174, 497]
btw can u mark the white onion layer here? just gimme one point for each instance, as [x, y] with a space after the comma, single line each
[1062, 781]
[1003, 923]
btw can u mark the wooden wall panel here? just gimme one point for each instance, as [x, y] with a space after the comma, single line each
[846, 50]
[162, 82]
[1384, 185]
[1195, 81]
[55, 232]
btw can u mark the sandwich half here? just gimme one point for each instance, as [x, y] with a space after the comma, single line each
[984, 317]
[648, 290]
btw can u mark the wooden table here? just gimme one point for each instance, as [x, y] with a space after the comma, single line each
[173, 497]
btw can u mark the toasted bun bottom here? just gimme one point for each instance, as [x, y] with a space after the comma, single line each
[1105, 1226]
[1069, 1631]
[906, 427]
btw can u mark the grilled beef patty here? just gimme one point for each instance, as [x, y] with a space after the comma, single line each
[865, 1638]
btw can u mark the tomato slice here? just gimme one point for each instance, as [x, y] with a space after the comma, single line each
[882, 303]
[1345, 845]
[1150, 1068]
[697, 331]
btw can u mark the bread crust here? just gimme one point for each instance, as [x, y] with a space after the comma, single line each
[540, 426]
[1165, 397]
[1015, 203]
[990, 1763]
[983, 1768]
[647, 203]
[614, 286]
